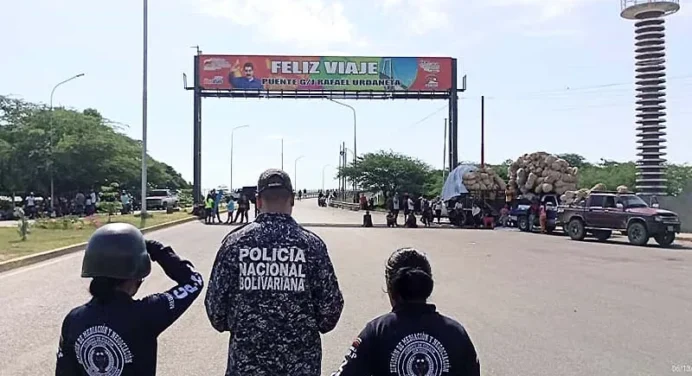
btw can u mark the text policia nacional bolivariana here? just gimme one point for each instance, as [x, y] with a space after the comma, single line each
[340, 68]
[277, 269]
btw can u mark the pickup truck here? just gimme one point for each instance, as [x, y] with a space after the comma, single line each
[520, 213]
[601, 213]
[161, 199]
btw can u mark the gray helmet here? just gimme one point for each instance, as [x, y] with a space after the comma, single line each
[116, 250]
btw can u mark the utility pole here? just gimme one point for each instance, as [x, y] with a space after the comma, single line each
[144, 113]
[444, 150]
[340, 152]
[483, 131]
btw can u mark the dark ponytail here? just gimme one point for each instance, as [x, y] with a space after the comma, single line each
[103, 288]
[409, 276]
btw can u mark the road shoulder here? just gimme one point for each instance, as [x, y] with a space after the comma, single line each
[47, 255]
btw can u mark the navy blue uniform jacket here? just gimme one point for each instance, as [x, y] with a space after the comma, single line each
[412, 340]
[273, 287]
[118, 337]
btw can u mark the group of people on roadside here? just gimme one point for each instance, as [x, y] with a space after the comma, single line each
[428, 208]
[273, 287]
[240, 206]
[81, 204]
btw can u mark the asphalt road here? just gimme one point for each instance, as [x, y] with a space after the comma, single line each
[534, 305]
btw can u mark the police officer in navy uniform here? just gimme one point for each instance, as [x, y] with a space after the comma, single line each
[114, 334]
[414, 339]
[273, 287]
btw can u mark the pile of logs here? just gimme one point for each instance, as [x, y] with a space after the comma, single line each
[573, 197]
[540, 172]
[483, 179]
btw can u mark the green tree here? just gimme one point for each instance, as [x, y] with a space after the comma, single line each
[501, 169]
[83, 149]
[109, 199]
[434, 183]
[679, 178]
[610, 173]
[388, 172]
[574, 160]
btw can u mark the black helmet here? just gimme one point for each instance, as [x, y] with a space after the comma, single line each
[116, 250]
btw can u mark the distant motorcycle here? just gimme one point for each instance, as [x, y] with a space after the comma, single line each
[322, 202]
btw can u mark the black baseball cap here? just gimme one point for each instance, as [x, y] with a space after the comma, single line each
[274, 178]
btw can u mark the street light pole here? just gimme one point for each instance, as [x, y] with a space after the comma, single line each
[355, 128]
[50, 138]
[295, 173]
[233, 131]
[325, 166]
[145, 15]
[355, 138]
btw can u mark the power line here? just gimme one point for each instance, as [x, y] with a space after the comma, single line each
[428, 116]
[568, 91]
[601, 86]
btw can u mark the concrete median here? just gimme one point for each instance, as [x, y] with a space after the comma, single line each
[47, 255]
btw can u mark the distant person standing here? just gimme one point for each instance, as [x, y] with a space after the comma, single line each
[217, 205]
[230, 208]
[79, 201]
[30, 205]
[94, 198]
[209, 210]
[395, 208]
[125, 201]
[87, 206]
[243, 207]
[438, 209]
[273, 287]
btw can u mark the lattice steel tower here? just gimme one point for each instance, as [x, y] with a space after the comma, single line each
[651, 90]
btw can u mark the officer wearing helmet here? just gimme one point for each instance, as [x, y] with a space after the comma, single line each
[114, 334]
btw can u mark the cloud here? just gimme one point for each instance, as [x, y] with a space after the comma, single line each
[421, 16]
[307, 23]
[545, 10]
[551, 33]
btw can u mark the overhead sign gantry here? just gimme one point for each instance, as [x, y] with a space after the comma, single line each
[322, 77]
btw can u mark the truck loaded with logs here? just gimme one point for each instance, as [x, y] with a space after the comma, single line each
[542, 179]
[534, 178]
[538, 179]
[471, 193]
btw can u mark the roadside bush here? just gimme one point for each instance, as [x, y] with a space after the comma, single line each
[23, 226]
[185, 198]
[63, 223]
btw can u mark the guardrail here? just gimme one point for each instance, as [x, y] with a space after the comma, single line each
[343, 196]
[344, 205]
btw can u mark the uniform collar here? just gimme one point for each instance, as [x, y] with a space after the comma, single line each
[274, 217]
[118, 296]
[408, 307]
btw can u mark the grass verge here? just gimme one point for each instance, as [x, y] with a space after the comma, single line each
[45, 239]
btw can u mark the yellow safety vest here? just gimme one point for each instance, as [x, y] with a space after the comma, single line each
[209, 204]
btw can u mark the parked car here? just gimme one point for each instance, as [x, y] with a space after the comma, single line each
[520, 213]
[601, 213]
[161, 199]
